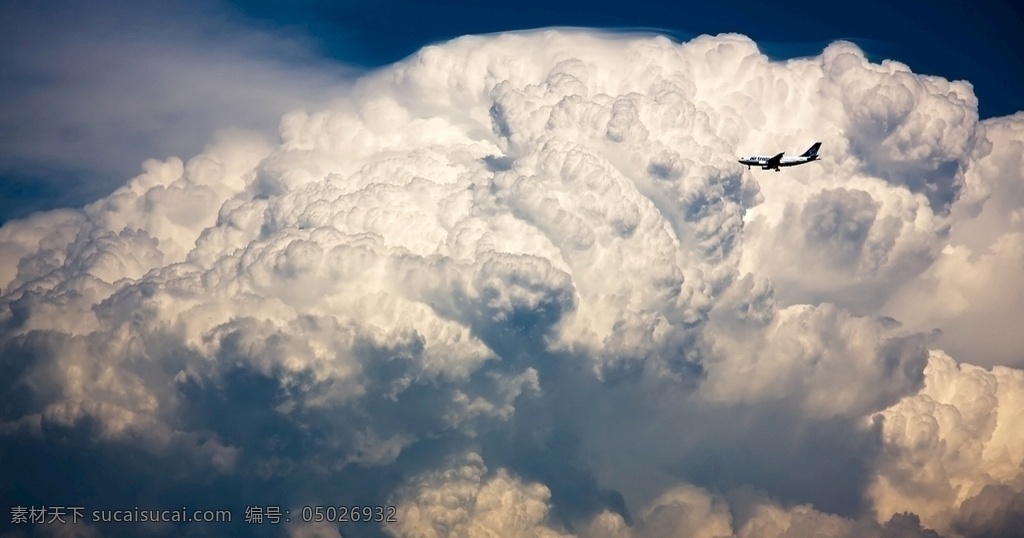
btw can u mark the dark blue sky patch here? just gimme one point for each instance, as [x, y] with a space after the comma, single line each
[979, 42]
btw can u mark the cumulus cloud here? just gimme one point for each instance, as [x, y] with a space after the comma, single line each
[954, 445]
[466, 499]
[518, 285]
[463, 501]
[973, 291]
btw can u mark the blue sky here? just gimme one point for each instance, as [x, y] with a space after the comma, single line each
[978, 41]
[82, 108]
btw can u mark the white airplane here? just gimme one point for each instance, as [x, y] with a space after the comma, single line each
[773, 163]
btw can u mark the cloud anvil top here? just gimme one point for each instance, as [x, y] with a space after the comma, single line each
[519, 285]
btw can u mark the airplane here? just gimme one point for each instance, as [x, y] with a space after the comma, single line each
[773, 163]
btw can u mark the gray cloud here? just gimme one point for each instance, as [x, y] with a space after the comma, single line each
[838, 222]
[998, 510]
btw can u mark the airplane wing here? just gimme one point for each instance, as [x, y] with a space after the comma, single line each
[774, 161]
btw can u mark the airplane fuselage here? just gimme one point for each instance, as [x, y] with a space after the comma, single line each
[779, 161]
[762, 161]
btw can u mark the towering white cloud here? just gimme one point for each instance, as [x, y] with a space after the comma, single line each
[518, 285]
[974, 292]
[955, 444]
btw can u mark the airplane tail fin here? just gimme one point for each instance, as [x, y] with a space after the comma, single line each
[812, 151]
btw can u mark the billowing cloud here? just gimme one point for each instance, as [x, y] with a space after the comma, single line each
[466, 499]
[974, 291]
[463, 501]
[955, 444]
[518, 285]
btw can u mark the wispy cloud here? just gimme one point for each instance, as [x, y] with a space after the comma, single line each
[91, 90]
